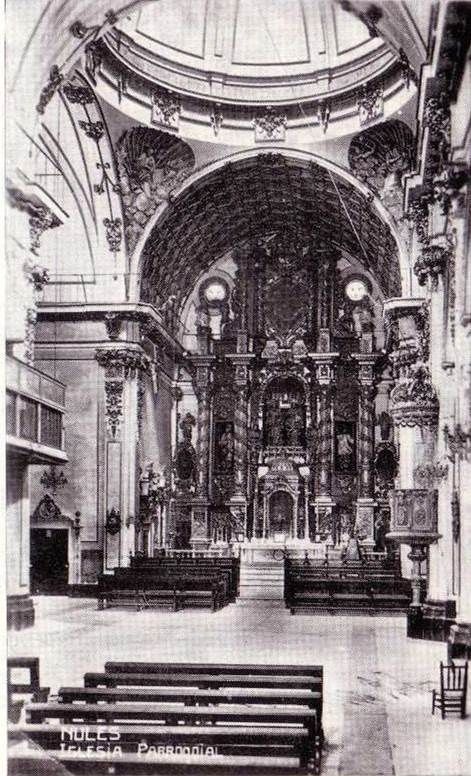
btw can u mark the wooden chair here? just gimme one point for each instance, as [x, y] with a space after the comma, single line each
[453, 688]
[31, 687]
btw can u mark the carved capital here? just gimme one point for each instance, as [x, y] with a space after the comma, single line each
[122, 362]
[431, 264]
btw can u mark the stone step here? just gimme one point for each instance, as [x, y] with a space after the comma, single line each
[266, 574]
[260, 592]
[261, 603]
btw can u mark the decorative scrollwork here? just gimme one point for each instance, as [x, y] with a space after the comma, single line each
[437, 118]
[431, 264]
[165, 109]
[93, 129]
[270, 126]
[113, 521]
[47, 93]
[81, 95]
[414, 401]
[114, 233]
[216, 118]
[323, 114]
[448, 185]
[418, 215]
[458, 442]
[370, 103]
[114, 404]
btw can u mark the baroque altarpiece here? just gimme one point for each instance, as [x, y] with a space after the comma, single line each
[290, 441]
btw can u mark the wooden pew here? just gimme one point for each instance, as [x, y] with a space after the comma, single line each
[250, 669]
[191, 696]
[213, 680]
[192, 566]
[237, 717]
[343, 587]
[191, 750]
[172, 591]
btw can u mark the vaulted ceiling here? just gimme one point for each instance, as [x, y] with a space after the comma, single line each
[255, 197]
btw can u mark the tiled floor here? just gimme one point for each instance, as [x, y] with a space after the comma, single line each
[377, 716]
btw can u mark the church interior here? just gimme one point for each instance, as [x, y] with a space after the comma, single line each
[238, 384]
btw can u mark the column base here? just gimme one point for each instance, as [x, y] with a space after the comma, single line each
[459, 641]
[364, 521]
[20, 612]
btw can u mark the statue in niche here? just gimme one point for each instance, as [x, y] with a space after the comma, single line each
[202, 317]
[362, 320]
[294, 427]
[385, 425]
[346, 525]
[345, 453]
[284, 415]
[224, 446]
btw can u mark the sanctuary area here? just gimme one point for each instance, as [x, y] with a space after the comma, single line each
[238, 386]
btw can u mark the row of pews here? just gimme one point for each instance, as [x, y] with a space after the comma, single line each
[373, 586]
[155, 718]
[171, 583]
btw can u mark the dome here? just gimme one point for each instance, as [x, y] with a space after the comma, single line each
[250, 51]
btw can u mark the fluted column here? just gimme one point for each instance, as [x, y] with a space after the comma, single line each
[364, 523]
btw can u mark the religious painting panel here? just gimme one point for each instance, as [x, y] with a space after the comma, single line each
[345, 455]
[281, 514]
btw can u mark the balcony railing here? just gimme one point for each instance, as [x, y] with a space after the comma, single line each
[34, 406]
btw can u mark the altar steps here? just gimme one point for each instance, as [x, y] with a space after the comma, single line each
[261, 581]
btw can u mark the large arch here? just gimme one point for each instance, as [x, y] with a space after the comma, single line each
[175, 236]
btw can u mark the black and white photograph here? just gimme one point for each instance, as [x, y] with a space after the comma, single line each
[237, 387]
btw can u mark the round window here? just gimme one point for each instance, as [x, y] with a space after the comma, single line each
[356, 289]
[215, 292]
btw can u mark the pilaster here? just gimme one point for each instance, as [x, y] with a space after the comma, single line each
[122, 365]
